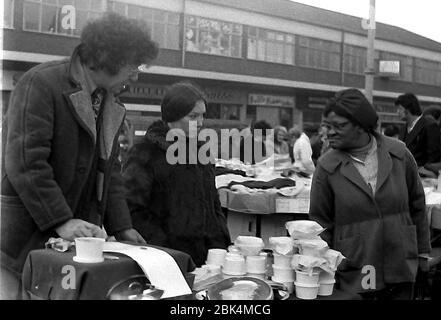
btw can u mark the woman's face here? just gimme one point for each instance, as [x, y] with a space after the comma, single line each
[195, 119]
[341, 132]
[280, 136]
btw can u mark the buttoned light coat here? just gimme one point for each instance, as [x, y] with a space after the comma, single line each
[49, 141]
[381, 234]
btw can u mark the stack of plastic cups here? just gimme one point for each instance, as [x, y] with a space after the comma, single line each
[307, 285]
[256, 266]
[326, 283]
[216, 257]
[283, 272]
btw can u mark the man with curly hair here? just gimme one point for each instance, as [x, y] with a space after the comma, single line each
[60, 173]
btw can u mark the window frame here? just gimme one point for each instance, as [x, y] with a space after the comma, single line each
[418, 68]
[266, 41]
[151, 21]
[309, 47]
[12, 12]
[71, 34]
[198, 32]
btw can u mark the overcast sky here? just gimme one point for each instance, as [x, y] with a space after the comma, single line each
[419, 16]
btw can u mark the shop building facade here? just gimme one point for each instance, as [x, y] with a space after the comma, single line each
[272, 60]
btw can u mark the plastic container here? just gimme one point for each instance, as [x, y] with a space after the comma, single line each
[234, 265]
[249, 246]
[306, 278]
[306, 291]
[283, 261]
[326, 276]
[216, 257]
[288, 284]
[283, 274]
[256, 264]
[326, 288]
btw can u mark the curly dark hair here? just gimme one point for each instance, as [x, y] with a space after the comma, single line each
[114, 41]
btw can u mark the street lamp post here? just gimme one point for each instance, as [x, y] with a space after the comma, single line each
[370, 65]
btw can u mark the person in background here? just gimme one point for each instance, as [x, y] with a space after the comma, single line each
[125, 141]
[302, 151]
[319, 144]
[280, 137]
[175, 205]
[255, 149]
[60, 173]
[368, 196]
[392, 131]
[422, 134]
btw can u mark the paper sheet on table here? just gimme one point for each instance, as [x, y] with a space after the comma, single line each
[159, 267]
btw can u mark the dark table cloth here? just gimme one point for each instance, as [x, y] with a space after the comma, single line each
[52, 275]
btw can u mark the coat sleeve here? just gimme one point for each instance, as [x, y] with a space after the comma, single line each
[30, 122]
[433, 143]
[117, 217]
[139, 175]
[321, 208]
[417, 204]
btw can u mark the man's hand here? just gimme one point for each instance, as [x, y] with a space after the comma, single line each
[75, 228]
[423, 262]
[130, 235]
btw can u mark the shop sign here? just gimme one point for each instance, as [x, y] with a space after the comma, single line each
[270, 100]
[158, 92]
[389, 68]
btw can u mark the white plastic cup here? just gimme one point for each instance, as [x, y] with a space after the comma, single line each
[282, 260]
[216, 257]
[326, 288]
[256, 264]
[306, 291]
[89, 250]
[234, 265]
[326, 276]
[283, 274]
[306, 278]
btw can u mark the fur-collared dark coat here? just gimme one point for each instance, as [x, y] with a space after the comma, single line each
[174, 206]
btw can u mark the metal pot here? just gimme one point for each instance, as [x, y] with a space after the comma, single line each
[265, 290]
[135, 287]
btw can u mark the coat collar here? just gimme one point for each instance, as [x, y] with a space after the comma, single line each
[419, 125]
[386, 149]
[81, 103]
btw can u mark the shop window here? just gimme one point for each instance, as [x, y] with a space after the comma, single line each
[428, 72]
[163, 25]
[8, 14]
[271, 46]
[406, 64]
[320, 54]
[47, 16]
[223, 111]
[213, 37]
[355, 59]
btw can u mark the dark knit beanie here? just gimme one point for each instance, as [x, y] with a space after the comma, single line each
[179, 100]
[354, 105]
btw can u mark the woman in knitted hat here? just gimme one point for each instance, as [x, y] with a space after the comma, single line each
[367, 194]
[175, 205]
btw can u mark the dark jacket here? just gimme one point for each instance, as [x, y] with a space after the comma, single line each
[49, 142]
[174, 206]
[386, 230]
[424, 141]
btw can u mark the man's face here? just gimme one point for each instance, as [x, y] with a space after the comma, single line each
[196, 116]
[341, 132]
[115, 83]
[403, 113]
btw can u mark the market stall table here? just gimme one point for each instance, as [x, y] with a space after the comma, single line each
[52, 275]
